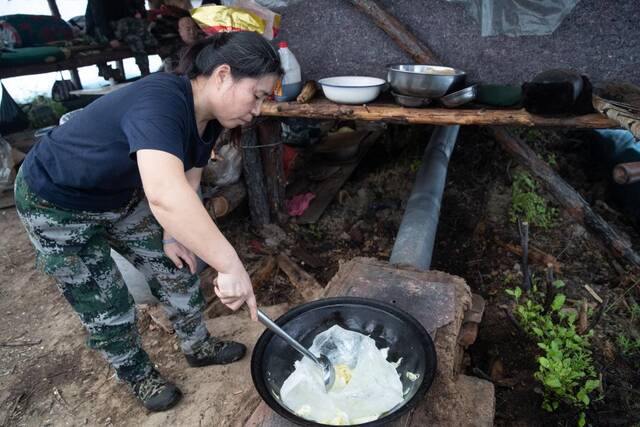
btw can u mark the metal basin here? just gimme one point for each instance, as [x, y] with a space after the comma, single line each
[430, 81]
[460, 97]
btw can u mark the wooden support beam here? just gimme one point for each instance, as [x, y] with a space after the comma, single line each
[254, 178]
[269, 137]
[53, 6]
[75, 78]
[417, 50]
[567, 197]
[391, 113]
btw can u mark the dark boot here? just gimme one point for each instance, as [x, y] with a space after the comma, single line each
[156, 393]
[216, 352]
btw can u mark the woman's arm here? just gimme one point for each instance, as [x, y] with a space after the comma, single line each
[175, 250]
[180, 212]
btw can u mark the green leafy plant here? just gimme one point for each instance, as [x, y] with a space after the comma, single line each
[565, 367]
[627, 345]
[552, 159]
[527, 204]
[635, 312]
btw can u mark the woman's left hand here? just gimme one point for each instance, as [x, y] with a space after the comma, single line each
[180, 255]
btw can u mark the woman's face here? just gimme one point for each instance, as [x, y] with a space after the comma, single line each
[237, 101]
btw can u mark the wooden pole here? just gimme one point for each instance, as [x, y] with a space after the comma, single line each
[567, 197]
[269, 137]
[417, 50]
[54, 8]
[254, 178]
[75, 78]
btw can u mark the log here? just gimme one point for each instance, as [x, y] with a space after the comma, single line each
[269, 137]
[226, 200]
[391, 113]
[567, 197]
[304, 283]
[417, 50]
[626, 173]
[254, 178]
[264, 271]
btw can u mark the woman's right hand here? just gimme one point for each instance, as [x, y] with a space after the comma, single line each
[234, 289]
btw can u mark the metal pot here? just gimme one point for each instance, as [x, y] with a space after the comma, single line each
[272, 361]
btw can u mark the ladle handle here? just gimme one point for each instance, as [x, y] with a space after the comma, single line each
[285, 336]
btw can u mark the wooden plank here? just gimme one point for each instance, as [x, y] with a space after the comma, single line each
[76, 61]
[327, 190]
[391, 113]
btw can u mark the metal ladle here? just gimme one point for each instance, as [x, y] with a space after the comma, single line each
[328, 372]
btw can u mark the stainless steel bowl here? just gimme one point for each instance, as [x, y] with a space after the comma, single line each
[411, 101]
[430, 81]
[460, 97]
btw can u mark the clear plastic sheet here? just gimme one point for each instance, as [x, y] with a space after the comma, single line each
[366, 385]
[518, 17]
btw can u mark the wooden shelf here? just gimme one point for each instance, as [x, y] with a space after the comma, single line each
[391, 113]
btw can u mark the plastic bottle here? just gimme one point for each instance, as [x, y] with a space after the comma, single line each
[290, 85]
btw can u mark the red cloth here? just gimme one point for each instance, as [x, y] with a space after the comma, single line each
[297, 205]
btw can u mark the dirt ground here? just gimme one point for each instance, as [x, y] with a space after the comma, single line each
[52, 378]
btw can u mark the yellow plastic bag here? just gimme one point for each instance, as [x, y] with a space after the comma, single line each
[213, 19]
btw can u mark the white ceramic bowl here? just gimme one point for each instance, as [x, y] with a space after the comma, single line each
[352, 89]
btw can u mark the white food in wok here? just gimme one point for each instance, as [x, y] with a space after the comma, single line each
[366, 386]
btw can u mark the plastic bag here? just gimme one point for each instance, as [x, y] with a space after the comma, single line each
[518, 17]
[243, 15]
[271, 4]
[6, 165]
[366, 384]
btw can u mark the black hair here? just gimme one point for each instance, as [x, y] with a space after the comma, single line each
[247, 53]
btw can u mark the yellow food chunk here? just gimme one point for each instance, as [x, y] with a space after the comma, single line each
[343, 372]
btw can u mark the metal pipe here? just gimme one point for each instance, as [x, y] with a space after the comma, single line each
[417, 233]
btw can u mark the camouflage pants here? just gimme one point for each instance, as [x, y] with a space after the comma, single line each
[74, 247]
[134, 33]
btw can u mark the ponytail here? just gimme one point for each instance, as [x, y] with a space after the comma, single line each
[247, 53]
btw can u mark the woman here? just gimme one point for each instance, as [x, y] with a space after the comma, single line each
[123, 174]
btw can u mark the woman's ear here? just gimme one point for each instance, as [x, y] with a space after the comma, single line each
[222, 75]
